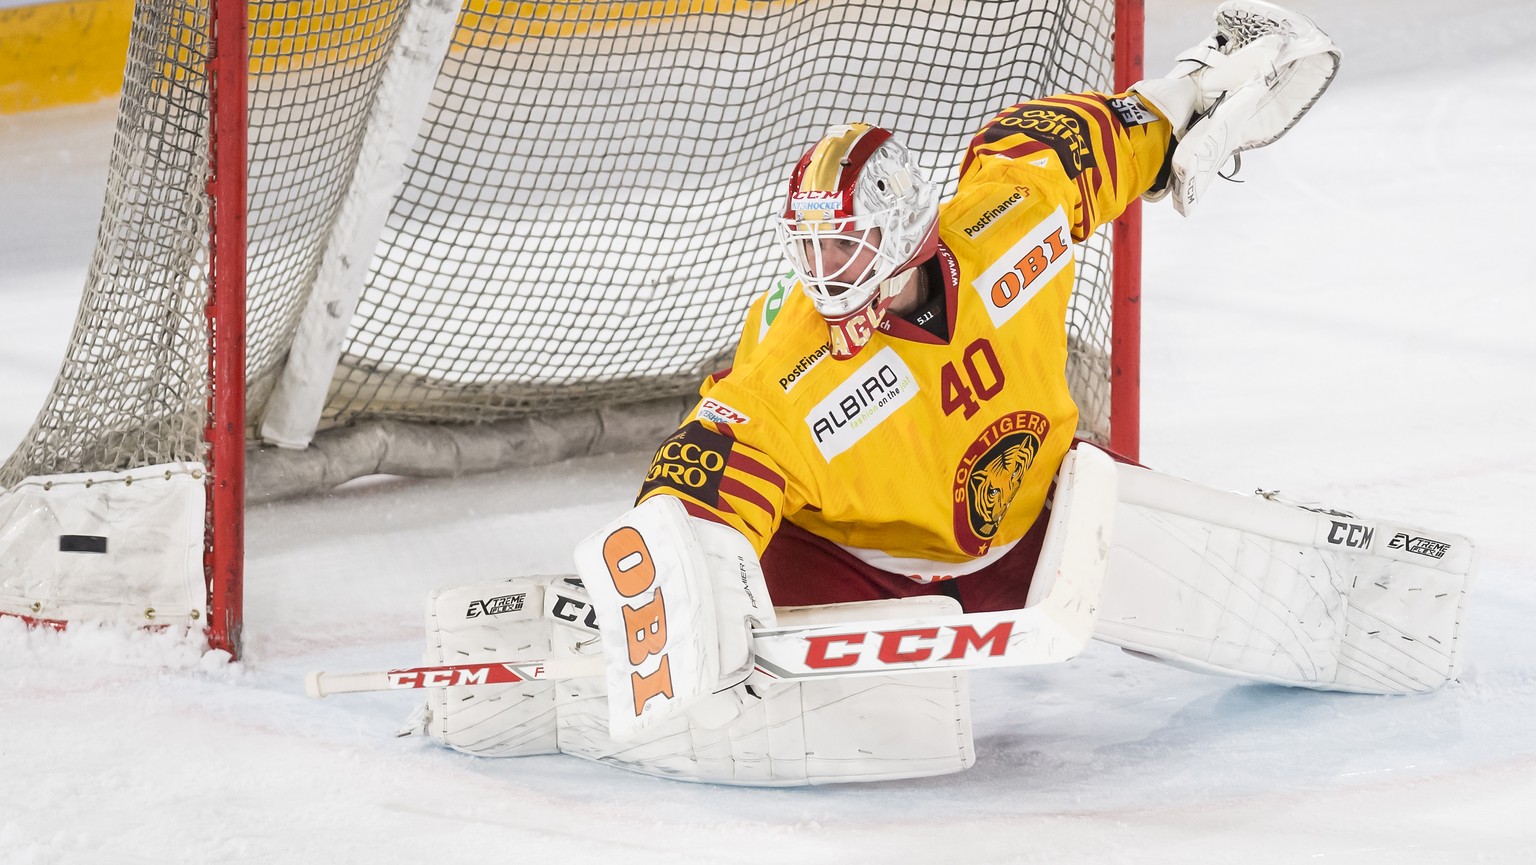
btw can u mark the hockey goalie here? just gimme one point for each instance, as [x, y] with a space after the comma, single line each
[886, 482]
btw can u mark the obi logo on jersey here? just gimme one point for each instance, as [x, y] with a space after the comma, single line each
[862, 402]
[692, 462]
[990, 475]
[1028, 266]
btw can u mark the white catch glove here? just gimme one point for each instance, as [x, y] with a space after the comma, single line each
[1240, 89]
[676, 599]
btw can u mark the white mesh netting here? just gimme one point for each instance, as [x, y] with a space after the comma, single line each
[585, 211]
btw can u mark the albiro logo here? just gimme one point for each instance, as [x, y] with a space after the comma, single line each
[866, 398]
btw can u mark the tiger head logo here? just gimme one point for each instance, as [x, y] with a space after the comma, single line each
[994, 484]
[992, 473]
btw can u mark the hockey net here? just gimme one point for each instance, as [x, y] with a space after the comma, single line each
[488, 234]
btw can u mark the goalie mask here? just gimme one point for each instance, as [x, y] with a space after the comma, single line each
[859, 214]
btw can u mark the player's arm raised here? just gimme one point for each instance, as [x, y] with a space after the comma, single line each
[1241, 88]
[1091, 152]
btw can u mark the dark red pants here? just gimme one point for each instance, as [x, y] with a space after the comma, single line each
[803, 569]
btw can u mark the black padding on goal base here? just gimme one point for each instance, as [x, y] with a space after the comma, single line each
[82, 544]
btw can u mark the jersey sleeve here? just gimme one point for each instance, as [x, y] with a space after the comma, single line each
[720, 477]
[1093, 152]
[732, 461]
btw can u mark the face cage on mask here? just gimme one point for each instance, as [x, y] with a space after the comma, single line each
[839, 292]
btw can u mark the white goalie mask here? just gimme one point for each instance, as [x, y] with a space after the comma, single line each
[859, 212]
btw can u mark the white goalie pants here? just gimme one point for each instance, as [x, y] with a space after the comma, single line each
[832, 730]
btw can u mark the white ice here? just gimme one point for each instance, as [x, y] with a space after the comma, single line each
[1351, 325]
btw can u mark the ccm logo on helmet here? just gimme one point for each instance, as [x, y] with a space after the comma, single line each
[816, 200]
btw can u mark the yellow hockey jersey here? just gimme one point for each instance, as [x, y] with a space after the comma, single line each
[924, 455]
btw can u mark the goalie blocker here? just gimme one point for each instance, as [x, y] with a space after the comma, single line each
[783, 734]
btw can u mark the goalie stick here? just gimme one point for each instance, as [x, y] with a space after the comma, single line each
[1040, 634]
[1054, 625]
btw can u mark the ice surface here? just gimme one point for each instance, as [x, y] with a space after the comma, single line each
[1350, 325]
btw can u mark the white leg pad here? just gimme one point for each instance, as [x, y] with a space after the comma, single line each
[865, 728]
[492, 621]
[1257, 588]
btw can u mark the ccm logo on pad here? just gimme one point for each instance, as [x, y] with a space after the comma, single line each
[904, 646]
[1352, 535]
[569, 609]
[469, 674]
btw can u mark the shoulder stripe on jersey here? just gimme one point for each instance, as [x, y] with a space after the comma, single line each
[723, 429]
[730, 486]
[749, 466]
[981, 146]
[1027, 147]
[717, 375]
[701, 512]
[1082, 209]
[1106, 126]
[1107, 123]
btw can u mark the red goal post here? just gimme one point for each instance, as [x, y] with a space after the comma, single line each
[481, 233]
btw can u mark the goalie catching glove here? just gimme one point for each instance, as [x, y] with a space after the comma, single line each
[1242, 88]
